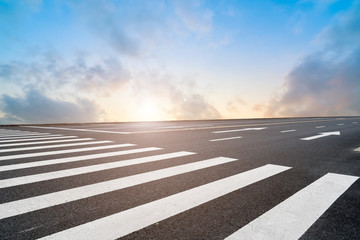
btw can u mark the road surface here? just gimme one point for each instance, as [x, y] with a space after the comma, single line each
[293, 178]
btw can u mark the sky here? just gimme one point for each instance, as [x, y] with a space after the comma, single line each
[64, 61]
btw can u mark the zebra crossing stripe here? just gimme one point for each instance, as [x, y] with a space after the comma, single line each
[291, 218]
[22, 134]
[75, 159]
[128, 221]
[38, 154]
[53, 146]
[52, 199]
[28, 137]
[44, 142]
[35, 139]
[88, 169]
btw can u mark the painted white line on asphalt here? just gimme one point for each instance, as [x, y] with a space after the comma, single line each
[321, 135]
[78, 158]
[35, 139]
[30, 137]
[340, 124]
[76, 129]
[320, 127]
[286, 131]
[170, 127]
[27, 155]
[291, 218]
[25, 134]
[240, 130]
[88, 169]
[224, 139]
[134, 219]
[13, 131]
[52, 199]
[357, 150]
[44, 142]
[53, 146]
[355, 122]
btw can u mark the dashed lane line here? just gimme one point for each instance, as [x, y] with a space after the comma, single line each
[287, 131]
[224, 139]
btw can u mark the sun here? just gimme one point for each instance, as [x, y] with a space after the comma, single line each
[148, 110]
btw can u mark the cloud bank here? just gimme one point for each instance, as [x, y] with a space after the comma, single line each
[35, 107]
[326, 82]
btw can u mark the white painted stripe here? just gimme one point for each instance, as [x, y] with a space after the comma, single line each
[355, 122]
[44, 142]
[223, 139]
[77, 158]
[27, 155]
[170, 127]
[241, 130]
[76, 129]
[320, 127]
[27, 137]
[14, 131]
[53, 146]
[131, 220]
[48, 200]
[35, 139]
[286, 131]
[358, 149]
[87, 169]
[25, 134]
[291, 218]
[340, 124]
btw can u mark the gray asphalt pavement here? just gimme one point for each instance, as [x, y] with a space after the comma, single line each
[294, 178]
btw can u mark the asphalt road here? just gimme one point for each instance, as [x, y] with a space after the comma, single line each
[223, 179]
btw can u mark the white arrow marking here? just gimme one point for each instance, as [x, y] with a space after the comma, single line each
[240, 130]
[323, 134]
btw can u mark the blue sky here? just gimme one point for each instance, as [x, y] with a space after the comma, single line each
[133, 60]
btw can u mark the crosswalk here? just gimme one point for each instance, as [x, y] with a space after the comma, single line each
[287, 220]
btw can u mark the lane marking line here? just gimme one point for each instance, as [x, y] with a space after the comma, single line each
[224, 139]
[36, 139]
[320, 127]
[134, 219]
[340, 124]
[88, 169]
[21, 135]
[240, 130]
[75, 159]
[290, 219]
[44, 142]
[76, 129]
[286, 131]
[53, 146]
[27, 155]
[357, 150]
[32, 137]
[52, 199]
